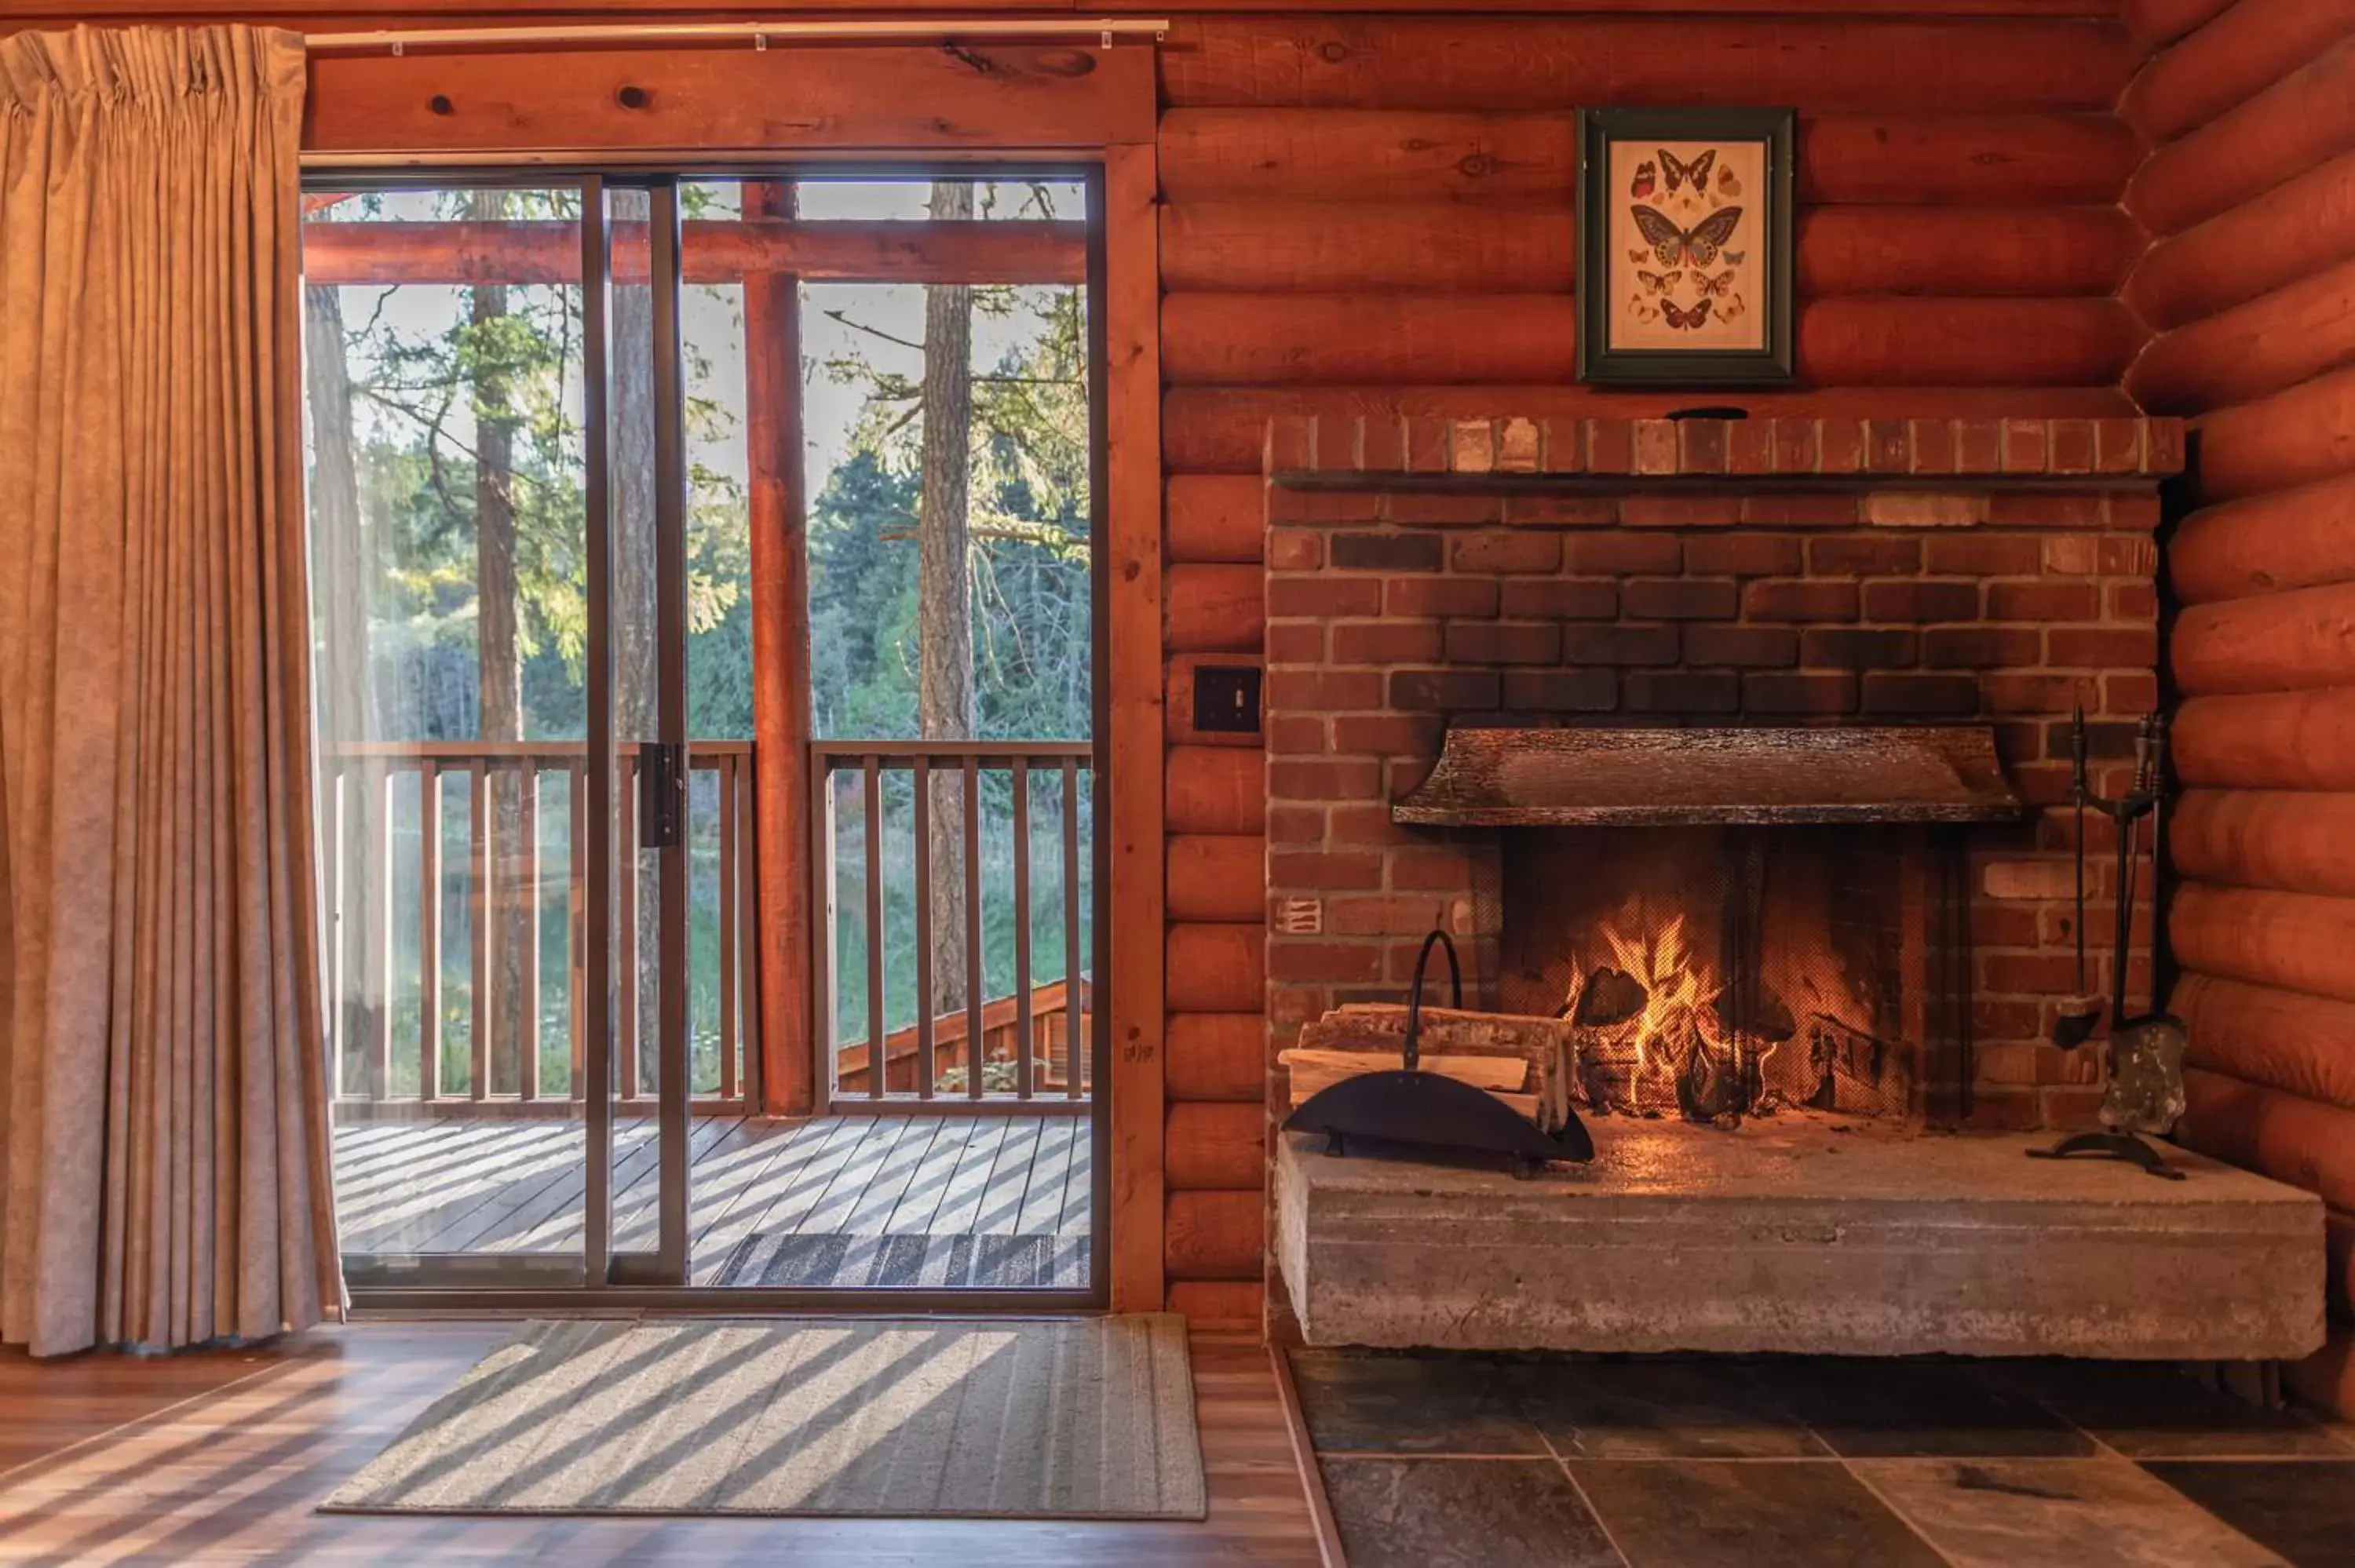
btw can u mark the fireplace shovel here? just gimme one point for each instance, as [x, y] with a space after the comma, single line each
[1406, 1113]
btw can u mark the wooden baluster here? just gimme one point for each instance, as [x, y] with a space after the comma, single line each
[626, 925]
[478, 906]
[877, 1037]
[379, 940]
[975, 1040]
[527, 876]
[726, 870]
[1073, 1068]
[576, 911]
[429, 930]
[1024, 1024]
[339, 928]
[924, 816]
[748, 964]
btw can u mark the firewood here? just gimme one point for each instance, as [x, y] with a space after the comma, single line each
[1313, 1072]
[1546, 1045]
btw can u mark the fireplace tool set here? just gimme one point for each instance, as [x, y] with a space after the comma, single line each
[1416, 1112]
[2145, 1053]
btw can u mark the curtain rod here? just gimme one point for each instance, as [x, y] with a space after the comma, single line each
[755, 33]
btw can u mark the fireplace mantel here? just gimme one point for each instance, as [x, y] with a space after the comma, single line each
[1762, 774]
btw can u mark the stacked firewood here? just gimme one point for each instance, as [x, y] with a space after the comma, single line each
[1524, 1062]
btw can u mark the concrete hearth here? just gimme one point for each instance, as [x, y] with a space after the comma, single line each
[1802, 1234]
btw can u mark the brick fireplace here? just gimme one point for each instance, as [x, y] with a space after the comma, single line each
[1430, 574]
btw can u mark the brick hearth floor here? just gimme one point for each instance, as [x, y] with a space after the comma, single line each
[1490, 1461]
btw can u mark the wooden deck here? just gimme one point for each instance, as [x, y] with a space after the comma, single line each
[940, 1201]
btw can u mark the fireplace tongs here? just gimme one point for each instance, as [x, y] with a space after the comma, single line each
[1406, 1113]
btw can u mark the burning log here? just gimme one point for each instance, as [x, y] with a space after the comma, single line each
[1369, 1038]
[1609, 996]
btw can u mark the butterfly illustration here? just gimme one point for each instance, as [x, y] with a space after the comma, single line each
[1737, 257]
[1699, 245]
[1659, 284]
[1696, 172]
[1726, 186]
[1733, 310]
[1641, 309]
[1639, 256]
[1687, 319]
[1645, 182]
[1717, 286]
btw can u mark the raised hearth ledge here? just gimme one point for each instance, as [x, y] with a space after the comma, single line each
[1793, 1236]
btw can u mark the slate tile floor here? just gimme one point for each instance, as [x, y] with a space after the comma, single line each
[1437, 1461]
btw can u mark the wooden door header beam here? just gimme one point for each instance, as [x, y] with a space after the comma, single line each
[752, 35]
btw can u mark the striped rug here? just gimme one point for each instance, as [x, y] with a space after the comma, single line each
[1054, 1418]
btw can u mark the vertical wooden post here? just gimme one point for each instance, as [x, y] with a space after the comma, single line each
[724, 776]
[975, 1057]
[576, 916]
[429, 930]
[527, 889]
[781, 672]
[927, 1068]
[1024, 1025]
[479, 905]
[877, 1035]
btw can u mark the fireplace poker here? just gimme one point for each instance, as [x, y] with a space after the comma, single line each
[2075, 1024]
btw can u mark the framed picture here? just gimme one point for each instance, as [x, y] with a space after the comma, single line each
[1685, 246]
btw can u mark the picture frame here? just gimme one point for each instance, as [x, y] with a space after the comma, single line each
[1687, 248]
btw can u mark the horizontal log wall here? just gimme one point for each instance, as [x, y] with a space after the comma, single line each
[2248, 193]
[1371, 214]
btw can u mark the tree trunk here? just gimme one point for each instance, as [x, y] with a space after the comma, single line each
[513, 1046]
[944, 703]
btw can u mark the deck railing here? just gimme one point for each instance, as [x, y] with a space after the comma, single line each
[939, 953]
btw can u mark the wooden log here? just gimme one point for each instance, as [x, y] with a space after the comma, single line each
[2276, 741]
[1442, 248]
[712, 250]
[2232, 57]
[2295, 1141]
[1223, 430]
[1214, 1235]
[2291, 841]
[2288, 539]
[1389, 156]
[2295, 436]
[1233, 1304]
[2302, 120]
[1043, 96]
[1340, 339]
[1217, 876]
[1215, 1147]
[2251, 350]
[2302, 1045]
[1213, 609]
[1376, 1025]
[1310, 1072]
[1215, 517]
[2291, 942]
[1215, 789]
[2301, 227]
[2151, 23]
[2288, 642]
[1430, 62]
[1218, 1056]
[1215, 968]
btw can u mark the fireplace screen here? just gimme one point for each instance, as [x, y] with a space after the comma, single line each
[1716, 973]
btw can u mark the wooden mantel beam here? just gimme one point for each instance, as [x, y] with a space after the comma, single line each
[717, 250]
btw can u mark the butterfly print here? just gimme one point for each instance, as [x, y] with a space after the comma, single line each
[1717, 286]
[1733, 310]
[1695, 173]
[1737, 257]
[1639, 256]
[1726, 186]
[1697, 245]
[1687, 319]
[1644, 183]
[1659, 284]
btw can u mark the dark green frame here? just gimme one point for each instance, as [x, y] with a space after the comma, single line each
[1597, 129]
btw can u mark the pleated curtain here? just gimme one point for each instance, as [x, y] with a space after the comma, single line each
[164, 1176]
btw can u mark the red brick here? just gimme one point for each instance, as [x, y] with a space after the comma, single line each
[1368, 823]
[1324, 868]
[2136, 513]
[1293, 959]
[1427, 441]
[1803, 510]
[1342, 778]
[1561, 511]
[1290, 503]
[1403, 551]
[1680, 511]
[1503, 643]
[1795, 446]
[1383, 443]
[2045, 509]
[2002, 1020]
[1749, 647]
[1424, 509]
[1295, 642]
[2023, 446]
[1681, 599]
[1622, 553]
[1472, 446]
[1888, 446]
[2133, 601]
[1917, 694]
[1322, 691]
[1619, 645]
[2117, 445]
[1294, 550]
[1863, 556]
[2128, 558]
[2040, 693]
[1386, 642]
[1745, 554]
[1681, 692]
[1981, 648]
[2162, 446]
[1321, 596]
[1291, 444]
[1978, 447]
[1610, 446]
[1563, 443]
[2043, 601]
[2092, 648]
[2129, 693]
[1401, 915]
[1920, 601]
[1384, 735]
[2028, 974]
[1857, 648]
[1982, 555]
[2078, 554]
[1787, 692]
[1404, 776]
[1561, 691]
[1561, 599]
[1441, 596]
[1443, 690]
[1996, 926]
[1933, 446]
[1840, 446]
[1509, 553]
[2071, 447]
[1299, 735]
[1796, 598]
[1430, 867]
[1750, 446]
[1655, 446]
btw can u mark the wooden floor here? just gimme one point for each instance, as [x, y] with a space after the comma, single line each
[486, 1186]
[222, 1459]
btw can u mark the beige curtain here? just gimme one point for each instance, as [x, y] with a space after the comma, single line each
[164, 1160]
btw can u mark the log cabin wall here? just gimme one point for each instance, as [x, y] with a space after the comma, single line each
[2248, 192]
[1371, 216]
